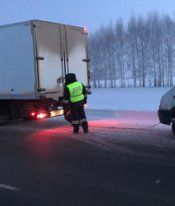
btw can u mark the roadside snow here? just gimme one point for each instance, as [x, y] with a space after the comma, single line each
[126, 99]
[125, 108]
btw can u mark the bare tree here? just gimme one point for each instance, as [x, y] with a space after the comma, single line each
[143, 53]
[132, 48]
[120, 43]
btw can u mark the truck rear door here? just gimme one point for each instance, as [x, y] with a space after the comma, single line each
[48, 52]
[76, 47]
[60, 49]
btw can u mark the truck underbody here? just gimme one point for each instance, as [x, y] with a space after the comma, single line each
[29, 109]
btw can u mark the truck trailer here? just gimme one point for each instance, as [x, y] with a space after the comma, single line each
[35, 56]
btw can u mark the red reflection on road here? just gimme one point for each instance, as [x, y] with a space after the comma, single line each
[42, 142]
[107, 123]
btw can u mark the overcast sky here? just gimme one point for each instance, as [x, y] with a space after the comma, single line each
[89, 13]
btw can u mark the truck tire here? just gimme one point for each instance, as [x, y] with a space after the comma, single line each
[173, 127]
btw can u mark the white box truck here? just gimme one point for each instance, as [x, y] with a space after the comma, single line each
[35, 56]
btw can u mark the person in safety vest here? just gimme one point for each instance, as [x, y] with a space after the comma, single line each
[75, 96]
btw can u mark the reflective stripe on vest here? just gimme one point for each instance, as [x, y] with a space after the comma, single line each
[76, 92]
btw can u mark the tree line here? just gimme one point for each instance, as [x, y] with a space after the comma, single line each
[139, 54]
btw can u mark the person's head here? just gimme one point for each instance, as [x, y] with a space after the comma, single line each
[70, 78]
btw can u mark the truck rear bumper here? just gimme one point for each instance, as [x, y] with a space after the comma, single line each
[58, 112]
[165, 116]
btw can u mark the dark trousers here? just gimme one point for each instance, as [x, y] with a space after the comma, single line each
[78, 116]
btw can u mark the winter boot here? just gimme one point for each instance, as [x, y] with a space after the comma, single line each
[76, 128]
[85, 126]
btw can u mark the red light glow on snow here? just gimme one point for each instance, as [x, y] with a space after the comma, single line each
[42, 142]
[106, 123]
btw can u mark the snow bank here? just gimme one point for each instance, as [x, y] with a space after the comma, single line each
[126, 99]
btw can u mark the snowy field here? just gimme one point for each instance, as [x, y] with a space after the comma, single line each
[126, 99]
[125, 107]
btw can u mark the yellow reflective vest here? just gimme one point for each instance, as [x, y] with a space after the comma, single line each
[76, 92]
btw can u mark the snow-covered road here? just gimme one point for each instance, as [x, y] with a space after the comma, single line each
[138, 127]
[126, 159]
